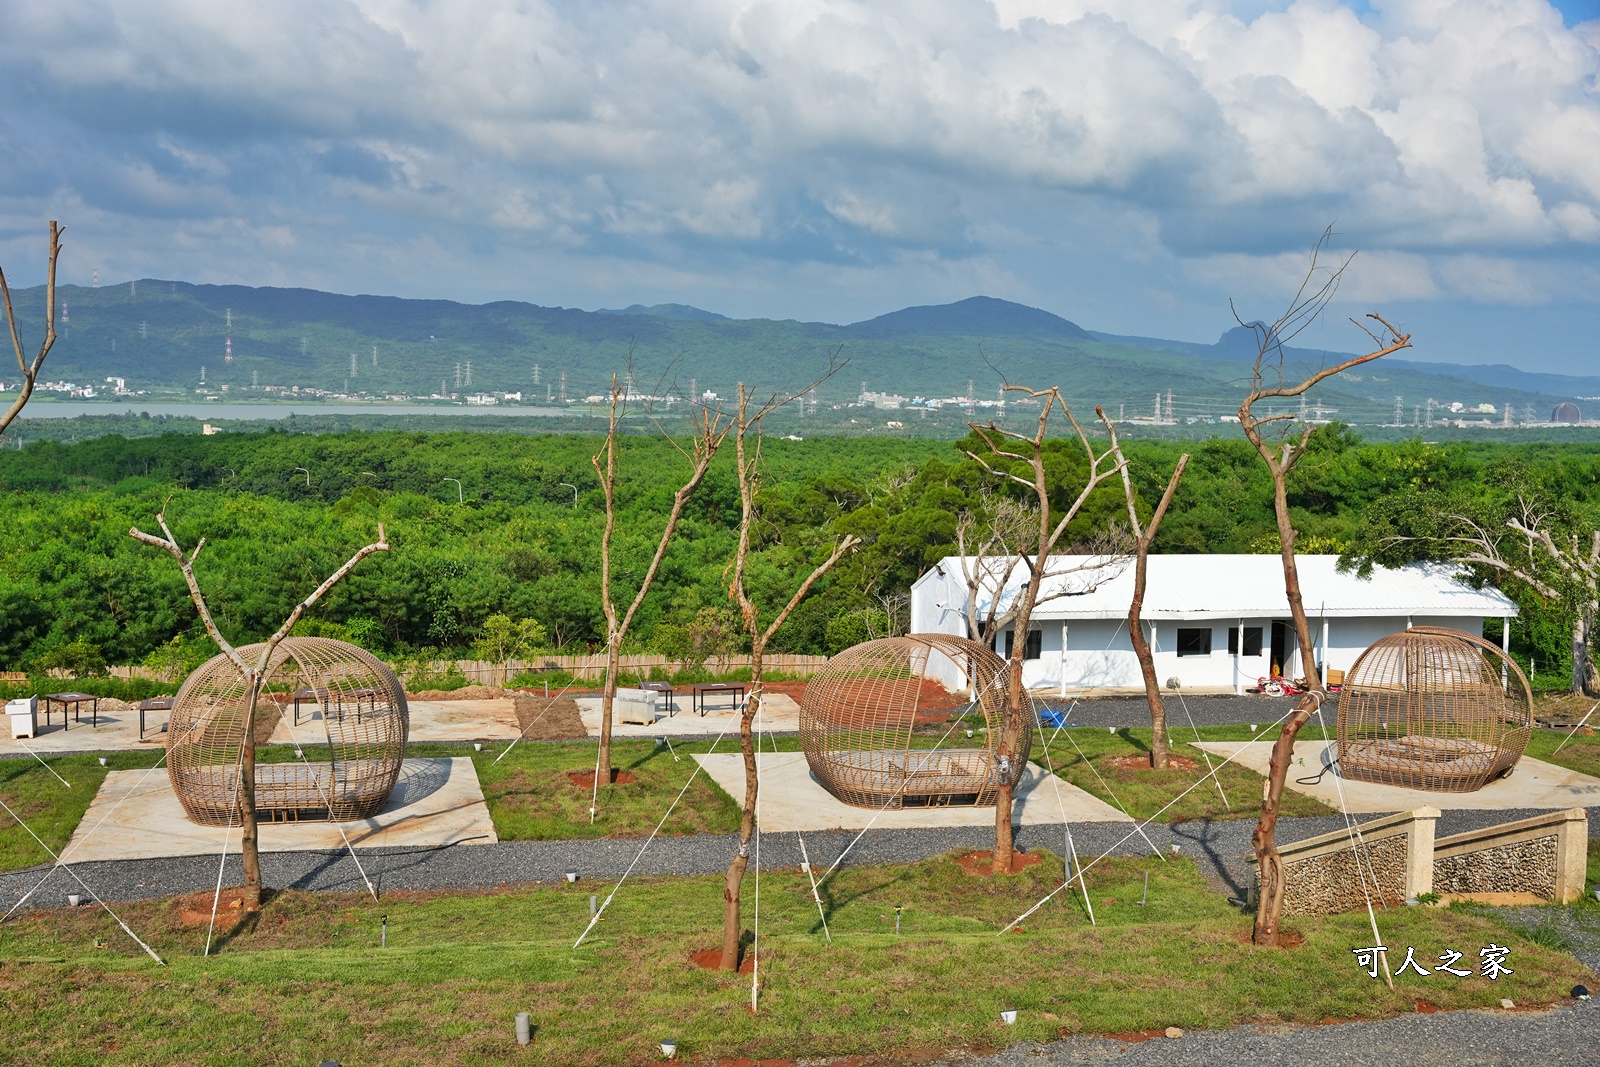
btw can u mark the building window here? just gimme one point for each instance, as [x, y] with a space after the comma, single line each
[1194, 641]
[1252, 641]
[1031, 648]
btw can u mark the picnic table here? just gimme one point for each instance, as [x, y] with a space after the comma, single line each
[75, 701]
[699, 691]
[335, 697]
[153, 704]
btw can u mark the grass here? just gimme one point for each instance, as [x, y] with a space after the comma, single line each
[306, 980]
[1582, 753]
[1082, 756]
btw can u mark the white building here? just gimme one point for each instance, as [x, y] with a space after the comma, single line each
[1214, 622]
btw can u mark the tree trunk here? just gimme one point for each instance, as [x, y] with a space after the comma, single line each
[249, 847]
[1147, 663]
[1584, 682]
[1291, 584]
[1005, 750]
[1269, 908]
[608, 703]
[732, 929]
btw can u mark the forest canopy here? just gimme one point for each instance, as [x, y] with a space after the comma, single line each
[278, 511]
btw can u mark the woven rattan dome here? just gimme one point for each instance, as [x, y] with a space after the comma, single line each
[352, 734]
[1433, 709]
[859, 711]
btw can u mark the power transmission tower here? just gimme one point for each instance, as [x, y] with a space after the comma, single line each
[352, 364]
[1399, 410]
[458, 376]
[469, 373]
[563, 387]
[536, 369]
[374, 355]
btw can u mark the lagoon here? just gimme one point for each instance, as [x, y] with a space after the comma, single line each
[218, 410]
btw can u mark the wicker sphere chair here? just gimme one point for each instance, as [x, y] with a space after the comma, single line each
[351, 752]
[858, 712]
[1433, 709]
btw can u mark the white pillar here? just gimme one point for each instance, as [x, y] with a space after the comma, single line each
[1505, 646]
[1324, 671]
[1154, 646]
[1063, 667]
[1238, 650]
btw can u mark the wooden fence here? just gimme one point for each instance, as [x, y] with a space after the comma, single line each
[584, 668]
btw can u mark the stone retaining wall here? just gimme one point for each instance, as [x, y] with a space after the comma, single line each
[1544, 855]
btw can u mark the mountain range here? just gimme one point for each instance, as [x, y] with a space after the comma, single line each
[159, 334]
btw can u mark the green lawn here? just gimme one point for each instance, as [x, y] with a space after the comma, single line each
[307, 981]
[1082, 756]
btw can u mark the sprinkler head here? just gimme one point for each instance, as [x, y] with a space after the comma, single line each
[1009, 1016]
[73, 900]
[572, 876]
[102, 761]
[477, 746]
[669, 1049]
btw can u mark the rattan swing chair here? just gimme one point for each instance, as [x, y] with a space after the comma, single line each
[1433, 709]
[859, 712]
[352, 745]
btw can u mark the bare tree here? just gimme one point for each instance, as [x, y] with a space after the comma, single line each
[748, 460]
[710, 429]
[1531, 538]
[1143, 536]
[1275, 439]
[30, 369]
[992, 545]
[254, 673]
[1008, 450]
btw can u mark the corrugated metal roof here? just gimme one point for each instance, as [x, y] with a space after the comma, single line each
[1235, 586]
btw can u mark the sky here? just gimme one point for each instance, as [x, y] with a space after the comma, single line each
[1146, 167]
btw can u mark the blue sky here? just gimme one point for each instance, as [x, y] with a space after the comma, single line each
[1131, 166]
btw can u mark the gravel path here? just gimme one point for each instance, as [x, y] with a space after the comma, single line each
[1220, 849]
[1566, 1035]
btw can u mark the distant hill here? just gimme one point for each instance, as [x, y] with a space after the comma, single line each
[977, 316]
[681, 312]
[160, 334]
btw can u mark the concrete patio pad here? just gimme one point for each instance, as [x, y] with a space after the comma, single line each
[136, 815]
[779, 714]
[1534, 783]
[490, 719]
[792, 800]
[117, 730]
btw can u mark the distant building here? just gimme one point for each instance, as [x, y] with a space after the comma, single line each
[1216, 622]
[1567, 413]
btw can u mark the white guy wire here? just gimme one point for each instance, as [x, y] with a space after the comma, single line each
[326, 795]
[880, 811]
[227, 833]
[81, 882]
[1218, 782]
[1354, 833]
[1112, 792]
[1081, 870]
[755, 941]
[1067, 833]
[43, 764]
[806, 859]
[549, 703]
[602, 909]
[62, 859]
[1575, 729]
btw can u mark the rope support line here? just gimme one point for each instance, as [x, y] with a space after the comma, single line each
[1118, 844]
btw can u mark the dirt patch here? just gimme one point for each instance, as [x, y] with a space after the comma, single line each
[585, 778]
[982, 863]
[1286, 938]
[194, 909]
[710, 959]
[548, 719]
[1142, 763]
[1426, 1008]
[466, 692]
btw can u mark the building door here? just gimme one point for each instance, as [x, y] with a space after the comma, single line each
[1283, 644]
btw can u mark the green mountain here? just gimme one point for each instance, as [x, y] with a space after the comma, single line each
[158, 335]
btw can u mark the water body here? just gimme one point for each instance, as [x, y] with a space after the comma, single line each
[45, 409]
